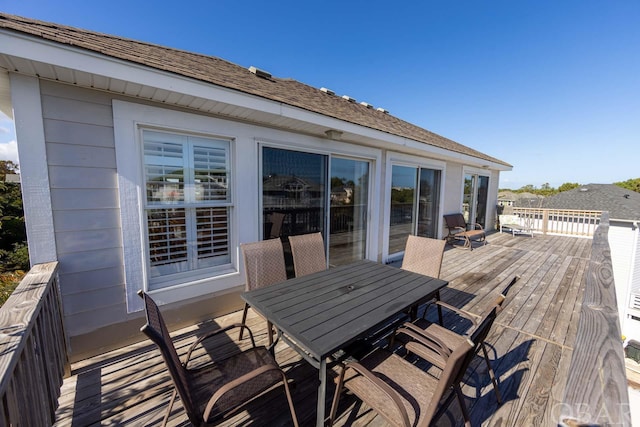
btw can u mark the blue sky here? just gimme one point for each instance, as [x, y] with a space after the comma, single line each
[552, 87]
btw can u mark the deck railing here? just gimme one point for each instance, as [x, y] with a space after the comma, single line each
[567, 222]
[33, 350]
[596, 392]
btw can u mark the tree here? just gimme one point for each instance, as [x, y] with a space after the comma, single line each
[630, 184]
[568, 186]
[7, 167]
[13, 236]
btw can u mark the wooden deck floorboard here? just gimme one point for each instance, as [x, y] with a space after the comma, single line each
[530, 345]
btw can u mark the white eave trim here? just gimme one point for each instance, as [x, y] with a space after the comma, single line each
[71, 57]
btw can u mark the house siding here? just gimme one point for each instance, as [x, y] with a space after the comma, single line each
[80, 149]
[621, 241]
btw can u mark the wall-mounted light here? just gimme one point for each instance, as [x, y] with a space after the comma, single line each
[334, 134]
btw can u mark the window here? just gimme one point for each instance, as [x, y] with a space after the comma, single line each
[187, 204]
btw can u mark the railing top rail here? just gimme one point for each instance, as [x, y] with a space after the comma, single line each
[596, 391]
[17, 314]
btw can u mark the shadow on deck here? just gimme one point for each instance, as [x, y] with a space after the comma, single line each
[531, 345]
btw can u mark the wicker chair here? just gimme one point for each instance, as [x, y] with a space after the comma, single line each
[423, 255]
[308, 253]
[216, 389]
[409, 333]
[263, 266]
[458, 231]
[400, 392]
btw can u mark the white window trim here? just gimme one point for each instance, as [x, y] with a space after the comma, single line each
[128, 118]
[401, 159]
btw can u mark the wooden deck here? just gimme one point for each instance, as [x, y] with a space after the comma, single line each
[532, 342]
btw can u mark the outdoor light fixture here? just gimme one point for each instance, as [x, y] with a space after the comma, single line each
[333, 134]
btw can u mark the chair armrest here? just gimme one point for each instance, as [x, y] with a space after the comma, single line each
[469, 316]
[478, 226]
[384, 387]
[426, 346]
[238, 382]
[217, 332]
[426, 339]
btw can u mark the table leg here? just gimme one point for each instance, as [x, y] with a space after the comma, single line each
[322, 393]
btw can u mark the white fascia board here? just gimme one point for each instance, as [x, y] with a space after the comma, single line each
[49, 52]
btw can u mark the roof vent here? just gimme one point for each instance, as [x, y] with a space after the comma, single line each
[260, 73]
[348, 98]
[382, 110]
[327, 91]
[626, 196]
[366, 104]
[584, 189]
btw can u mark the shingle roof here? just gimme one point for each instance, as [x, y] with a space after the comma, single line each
[226, 74]
[621, 203]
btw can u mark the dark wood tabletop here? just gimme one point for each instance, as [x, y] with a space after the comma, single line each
[325, 311]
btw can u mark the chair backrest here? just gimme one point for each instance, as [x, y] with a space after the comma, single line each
[486, 321]
[455, 220]
[457, 363]
[308, 253]
[263, 263]
[423, 255]
[157, 331]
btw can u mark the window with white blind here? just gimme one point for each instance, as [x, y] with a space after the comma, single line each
[186, 206]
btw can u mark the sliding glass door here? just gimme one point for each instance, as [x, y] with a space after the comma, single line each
[299, 188]
[474, 202]
[415, 203]
[349, 210]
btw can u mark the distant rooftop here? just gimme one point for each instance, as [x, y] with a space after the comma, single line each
[621, 203]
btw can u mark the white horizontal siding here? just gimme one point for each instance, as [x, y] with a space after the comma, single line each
[78, 126]
[88, 219]
[78, 133]
[69, 242]
[76, 262]
[80, 155]
[83, 198]
[82, 177]
[80, 282]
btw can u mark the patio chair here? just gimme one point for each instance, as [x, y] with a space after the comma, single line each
[423, 255]
[308, 253]
[400, 392]
[410, 333]
[216, 389]
[263, 265]
[458, 230]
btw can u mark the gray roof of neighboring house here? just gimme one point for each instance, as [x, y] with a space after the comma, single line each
[226, 74]
[619, 202]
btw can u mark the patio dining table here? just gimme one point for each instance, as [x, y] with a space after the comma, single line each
[324, 312]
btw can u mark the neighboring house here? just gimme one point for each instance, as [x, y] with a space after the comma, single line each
[624, 217]
[146, 167]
